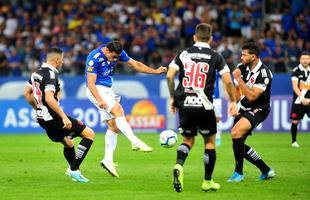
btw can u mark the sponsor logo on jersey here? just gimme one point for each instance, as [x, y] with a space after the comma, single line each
[97, 55]
[90, 69]
[193, 101]
[107, 72]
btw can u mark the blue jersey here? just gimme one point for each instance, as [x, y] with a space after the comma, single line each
[216, 93]
[97, 63]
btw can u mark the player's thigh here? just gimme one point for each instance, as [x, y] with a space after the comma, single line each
[206, 122]
[188, 126]
[298, 111]
[247, 121]
[54, 129]
[117, 110]
[77, 127]
[106, 94]
[241, 127]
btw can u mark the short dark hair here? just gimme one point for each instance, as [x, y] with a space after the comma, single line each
[54, 50]
[304, 53]
[252, 48]
[203, 32]
[115, 46]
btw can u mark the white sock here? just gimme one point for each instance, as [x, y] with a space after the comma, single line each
[125, 128]
[110, 145]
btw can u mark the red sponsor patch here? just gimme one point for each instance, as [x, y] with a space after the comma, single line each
[294, 115]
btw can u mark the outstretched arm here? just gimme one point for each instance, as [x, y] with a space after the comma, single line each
[140, 67]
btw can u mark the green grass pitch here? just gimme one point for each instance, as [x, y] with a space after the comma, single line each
[32, 167]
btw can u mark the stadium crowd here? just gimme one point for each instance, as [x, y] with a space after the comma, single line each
[151, 31]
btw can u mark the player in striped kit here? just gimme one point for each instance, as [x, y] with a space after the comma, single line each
[301, 97]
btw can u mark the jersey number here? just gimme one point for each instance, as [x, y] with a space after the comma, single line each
[195, 75]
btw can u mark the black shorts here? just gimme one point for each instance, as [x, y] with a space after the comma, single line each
[298, 111]
[193, 121]
[255, 116]
[55, 131]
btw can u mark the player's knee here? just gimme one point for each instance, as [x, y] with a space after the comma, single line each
[295, 122]
[210, 145]
[88, 133]
[112, 126]
[235, 132]
[190, 141]
[68, 143]
[114, 129]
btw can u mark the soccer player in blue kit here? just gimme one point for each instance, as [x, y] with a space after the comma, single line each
[100, 66]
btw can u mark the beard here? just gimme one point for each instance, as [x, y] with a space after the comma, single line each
[248, 63]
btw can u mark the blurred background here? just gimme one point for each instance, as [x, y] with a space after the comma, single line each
[152, 32]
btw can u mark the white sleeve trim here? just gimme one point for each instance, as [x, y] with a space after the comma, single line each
[224, 70]
[174, 65]
[49, 89]
[294, 78]
[263, 87]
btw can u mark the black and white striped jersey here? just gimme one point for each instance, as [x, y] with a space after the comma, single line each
[302, 76]
[42, 80]
[260, 77]
[197, 68]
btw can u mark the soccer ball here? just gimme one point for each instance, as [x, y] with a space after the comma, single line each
[168, 138]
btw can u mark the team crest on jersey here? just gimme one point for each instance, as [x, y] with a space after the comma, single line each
[266, 81]
[252, 80]
[91, 63]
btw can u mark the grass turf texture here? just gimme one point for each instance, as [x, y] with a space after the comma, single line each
[32, 167]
